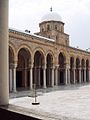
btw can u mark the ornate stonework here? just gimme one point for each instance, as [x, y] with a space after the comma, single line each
[45, 58]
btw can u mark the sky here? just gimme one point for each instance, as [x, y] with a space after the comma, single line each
[27, 14]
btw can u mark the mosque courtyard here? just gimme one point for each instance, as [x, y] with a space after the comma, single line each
[70, 102]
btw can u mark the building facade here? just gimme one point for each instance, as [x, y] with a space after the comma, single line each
[45, 58]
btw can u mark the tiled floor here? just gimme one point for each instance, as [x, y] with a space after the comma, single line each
[61, 103]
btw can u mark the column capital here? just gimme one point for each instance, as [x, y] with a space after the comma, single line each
[53, 67]
[15, 65]
[74, 68]
[44, 67]
[31, 66]
[11, 65]
[79, 68]
[84, 68]
[67, 66]
[57, 66]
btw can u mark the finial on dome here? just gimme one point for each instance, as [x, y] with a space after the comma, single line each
[51, 9]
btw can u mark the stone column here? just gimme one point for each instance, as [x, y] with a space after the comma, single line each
[66, 75]
[74, 76]
[14, 77]
[59, 73]
[79, 75]
[89, 74]
[31, 77]
[35, 76]
[56, 75]
[38, 71]
[49, 75]
[10, 79]
[25, 76]
[44, 77]
[52, 76]
[4, 78]
[84, 74]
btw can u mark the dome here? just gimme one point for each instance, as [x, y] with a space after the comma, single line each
[51, 16]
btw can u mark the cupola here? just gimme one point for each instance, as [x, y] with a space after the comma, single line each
[51, 26]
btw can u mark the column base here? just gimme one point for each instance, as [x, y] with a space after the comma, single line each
[36, 103]
[14, 91]
[44, 87]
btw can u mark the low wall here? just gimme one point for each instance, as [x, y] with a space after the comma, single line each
[9, 115]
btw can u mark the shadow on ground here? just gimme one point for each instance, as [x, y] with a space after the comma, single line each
[5, 114]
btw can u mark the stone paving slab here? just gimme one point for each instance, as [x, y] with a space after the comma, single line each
[72, 103]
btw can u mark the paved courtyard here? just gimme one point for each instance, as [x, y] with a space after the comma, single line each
[64, 103]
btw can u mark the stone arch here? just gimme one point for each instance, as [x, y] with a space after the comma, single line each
[39, 59]
[82, 63]
[39, 63]
[77, 62]
[13, 50]
[72, 59]
[61, 60]
[49, 66]
[63, 52]
[11, 55]
[87, 64]
[25, 46]
[49, 60]
[61, 70]
[13, 47]
[41, 51]
[23, 67]
[52, 54]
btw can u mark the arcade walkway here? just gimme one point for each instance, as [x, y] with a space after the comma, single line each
[22, 92]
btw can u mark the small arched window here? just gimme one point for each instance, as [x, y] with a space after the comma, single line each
[62, 29]
[48, 27]
[55, 27]
[42, 29]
